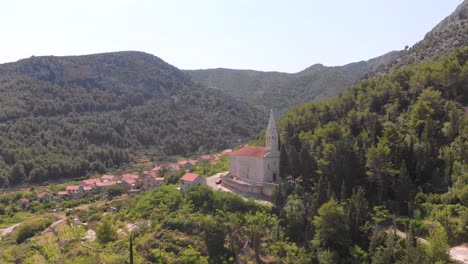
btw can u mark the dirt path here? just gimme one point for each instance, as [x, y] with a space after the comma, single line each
[8, 230]
[458, 253]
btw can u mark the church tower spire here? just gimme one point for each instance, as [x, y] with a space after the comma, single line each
[271, 133]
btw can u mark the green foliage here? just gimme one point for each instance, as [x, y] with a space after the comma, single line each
[438, 247]
[206, 169]
[115, 190]
[106, 231]
[30, 228]
[54, 126]
[332, 231]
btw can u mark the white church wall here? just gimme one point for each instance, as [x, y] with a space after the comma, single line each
[247, 167]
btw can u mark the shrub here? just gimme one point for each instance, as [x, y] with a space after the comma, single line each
[28, 229]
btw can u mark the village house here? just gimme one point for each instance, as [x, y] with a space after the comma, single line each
[89, 189]
[205, 158]
[24, 202]
[90, 183]
[106, 177]
[62, 194]
[187, 164]
[44, 196]
[191, 179]
[129, 184]
[102, 186]
[130, 181]
[75, 191]
[151, 179]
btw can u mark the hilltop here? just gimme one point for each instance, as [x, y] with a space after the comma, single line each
[69, 116]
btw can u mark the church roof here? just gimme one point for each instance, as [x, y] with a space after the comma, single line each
[251, 151]
[190, 177]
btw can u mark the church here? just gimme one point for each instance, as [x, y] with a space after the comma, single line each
[255, 170]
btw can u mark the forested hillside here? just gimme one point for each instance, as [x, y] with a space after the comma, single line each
[69, 116]
[282, 91]
[398, 142]
[388, 154]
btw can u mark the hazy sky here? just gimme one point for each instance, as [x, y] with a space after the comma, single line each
[287, 35]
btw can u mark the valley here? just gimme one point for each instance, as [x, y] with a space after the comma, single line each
[121, 157]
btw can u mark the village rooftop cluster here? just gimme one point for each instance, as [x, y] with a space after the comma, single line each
[134, 182]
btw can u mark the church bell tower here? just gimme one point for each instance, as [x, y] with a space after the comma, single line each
[271, 134]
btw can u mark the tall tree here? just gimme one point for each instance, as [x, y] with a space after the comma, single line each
[331, 229]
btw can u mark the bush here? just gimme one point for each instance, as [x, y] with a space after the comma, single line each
[28, 229]
[115, 190]
[463, 195]
[106, 232]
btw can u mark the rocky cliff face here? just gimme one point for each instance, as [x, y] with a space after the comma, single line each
[449, 34]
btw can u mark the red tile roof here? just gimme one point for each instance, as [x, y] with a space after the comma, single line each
[87, 188]
[108, 177]
[190, 177]
[105, 184]
[130, 176]
[72, 188]
[62, 193]
[151, 173]
[129, 181]
[250, 151]
[226, 151]
[206, 157]
[42, 195]
[90, 181]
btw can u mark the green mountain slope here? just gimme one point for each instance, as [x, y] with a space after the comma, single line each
[282, 91]
[68, 116]
[413, 116]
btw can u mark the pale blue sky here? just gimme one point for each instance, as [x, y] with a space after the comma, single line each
[242, 34]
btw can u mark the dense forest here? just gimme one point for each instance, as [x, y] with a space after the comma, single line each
[66, 117]
[396, 143]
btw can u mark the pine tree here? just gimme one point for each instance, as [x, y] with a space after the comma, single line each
[403, 188]
[131, 248]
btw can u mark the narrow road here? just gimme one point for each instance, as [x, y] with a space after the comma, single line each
[458, 253]
[8, 230]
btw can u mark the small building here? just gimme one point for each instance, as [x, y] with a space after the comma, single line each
[90, 183]
[151, 179]
[186, 164]
[191, 179]
[44, 196]
[75, 191]
[62, 194]
[88, 189]
[102, 186]
[129, 184]
[205, 158]
[24, 202]
[130, 176]
[107, 177]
